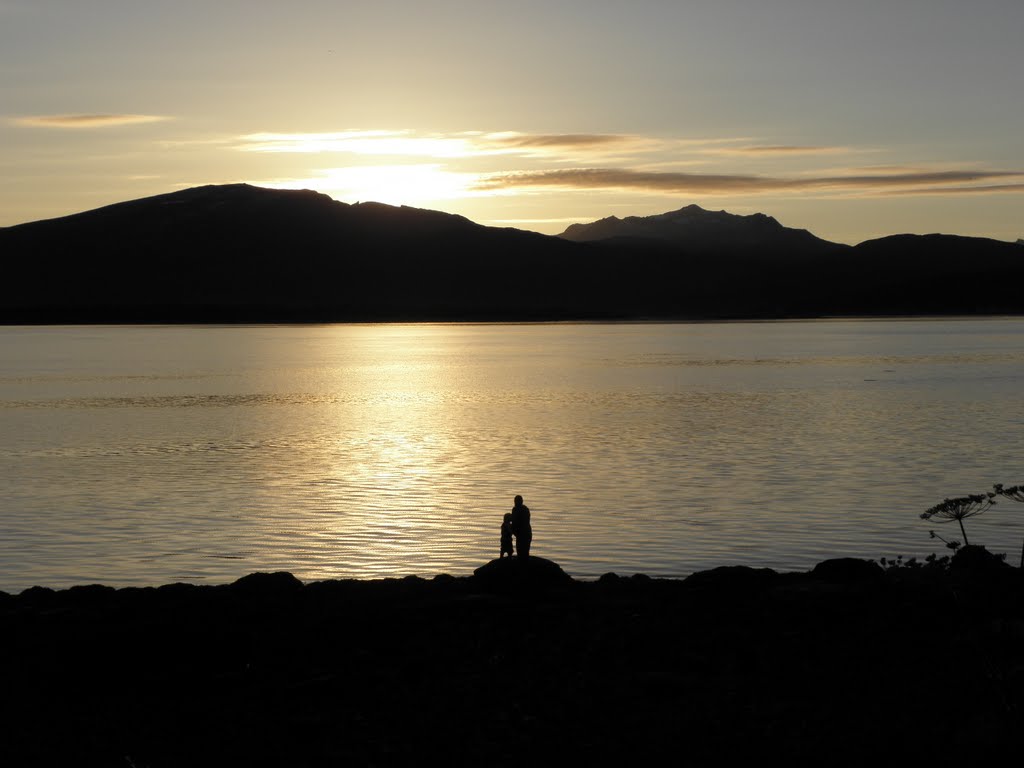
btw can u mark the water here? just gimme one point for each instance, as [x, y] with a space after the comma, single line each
[147, 455]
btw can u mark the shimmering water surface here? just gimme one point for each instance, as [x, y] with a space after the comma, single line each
[146, 455]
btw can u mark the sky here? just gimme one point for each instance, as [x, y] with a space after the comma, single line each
[853, 120]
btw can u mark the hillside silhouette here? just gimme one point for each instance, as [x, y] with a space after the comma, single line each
[237, 253]
[695, 229]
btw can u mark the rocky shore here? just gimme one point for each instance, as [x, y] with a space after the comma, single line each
[848, 663]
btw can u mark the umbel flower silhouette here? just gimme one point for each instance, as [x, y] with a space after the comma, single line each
[959, 509]
[1015, 492]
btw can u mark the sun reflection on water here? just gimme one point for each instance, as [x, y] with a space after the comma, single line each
[384, 450]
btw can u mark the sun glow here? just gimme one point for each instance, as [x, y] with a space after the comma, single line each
[370, 143]
[412, 184]
[451, 146]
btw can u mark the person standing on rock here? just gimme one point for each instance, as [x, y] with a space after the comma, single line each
[506, 536]
[521, 527]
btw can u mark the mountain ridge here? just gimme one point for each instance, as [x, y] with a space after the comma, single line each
[239, 253]
[696, 228]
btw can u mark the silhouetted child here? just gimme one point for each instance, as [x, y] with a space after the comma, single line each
[506, 535]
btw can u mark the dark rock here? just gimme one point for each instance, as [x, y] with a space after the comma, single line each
[91, 594]
[622, 671]
[261, 584]
[732, 577]
[977, 559]
[37, 595]
[176, 591]
[517, 573]
[847, 570]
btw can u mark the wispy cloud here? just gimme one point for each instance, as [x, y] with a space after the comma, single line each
[463, 145]
[698, 183]
[368, 143]
[913, 179]
[596, 147]
[983, 189]
[85, 121]
[624, 178]
[779, 150]
[557, 140]
[406, 164]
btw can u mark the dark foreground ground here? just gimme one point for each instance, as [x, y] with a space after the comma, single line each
[846, 664]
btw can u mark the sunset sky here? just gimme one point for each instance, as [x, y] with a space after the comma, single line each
[850, 119]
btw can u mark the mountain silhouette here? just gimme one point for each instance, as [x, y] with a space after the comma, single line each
[244, 253]
[238, 253]
[696, 229]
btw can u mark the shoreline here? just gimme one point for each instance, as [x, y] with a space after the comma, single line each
[842, 663]
[597, 320]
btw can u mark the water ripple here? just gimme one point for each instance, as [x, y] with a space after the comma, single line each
[348, 451]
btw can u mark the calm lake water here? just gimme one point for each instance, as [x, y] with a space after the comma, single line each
[147, 455]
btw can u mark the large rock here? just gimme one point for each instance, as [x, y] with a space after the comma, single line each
[845, 570]
[732, 577]
[977, 559]
[266, 585]
[519, 573]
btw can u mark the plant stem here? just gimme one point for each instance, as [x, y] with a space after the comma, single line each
[966, 542]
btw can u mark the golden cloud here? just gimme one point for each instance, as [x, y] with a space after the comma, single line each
[85, 121]
[697, 183]
[777, 150]
[468, 144]
[558, 140]
[983, 189]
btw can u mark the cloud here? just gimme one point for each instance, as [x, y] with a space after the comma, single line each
[85, 121]
[466, 144]
[698, 183]
[356, 142]
[538, 145]
[621, 178]
[512, 162]
[403, 184]
[777, 151]
[985, 189]
[558, 140]
[913, 178]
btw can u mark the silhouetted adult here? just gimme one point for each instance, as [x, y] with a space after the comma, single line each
[521, 527]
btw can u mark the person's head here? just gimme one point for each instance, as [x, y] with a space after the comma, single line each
[518, 500]
[508, 517]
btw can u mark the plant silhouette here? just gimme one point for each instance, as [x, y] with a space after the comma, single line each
[1015, 492]
[959, 509]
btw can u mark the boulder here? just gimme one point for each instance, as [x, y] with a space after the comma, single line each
[521, 574]
[266, 585]
[977, 559]
[845, 570]
[732, 577]
[37, 595]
